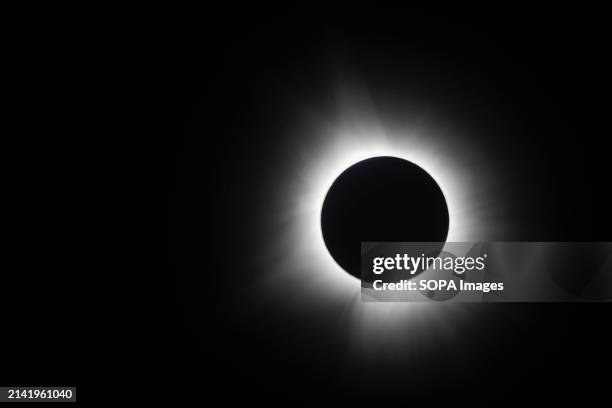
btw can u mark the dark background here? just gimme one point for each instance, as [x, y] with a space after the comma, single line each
[540, 80]
[117, 286]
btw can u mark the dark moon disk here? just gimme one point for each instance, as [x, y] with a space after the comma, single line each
[381, 199]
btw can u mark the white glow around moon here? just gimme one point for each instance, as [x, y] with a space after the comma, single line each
[300, 271]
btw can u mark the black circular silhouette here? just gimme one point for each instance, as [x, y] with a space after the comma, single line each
[381, 199]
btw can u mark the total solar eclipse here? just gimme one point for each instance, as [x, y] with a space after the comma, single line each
[381, 199]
